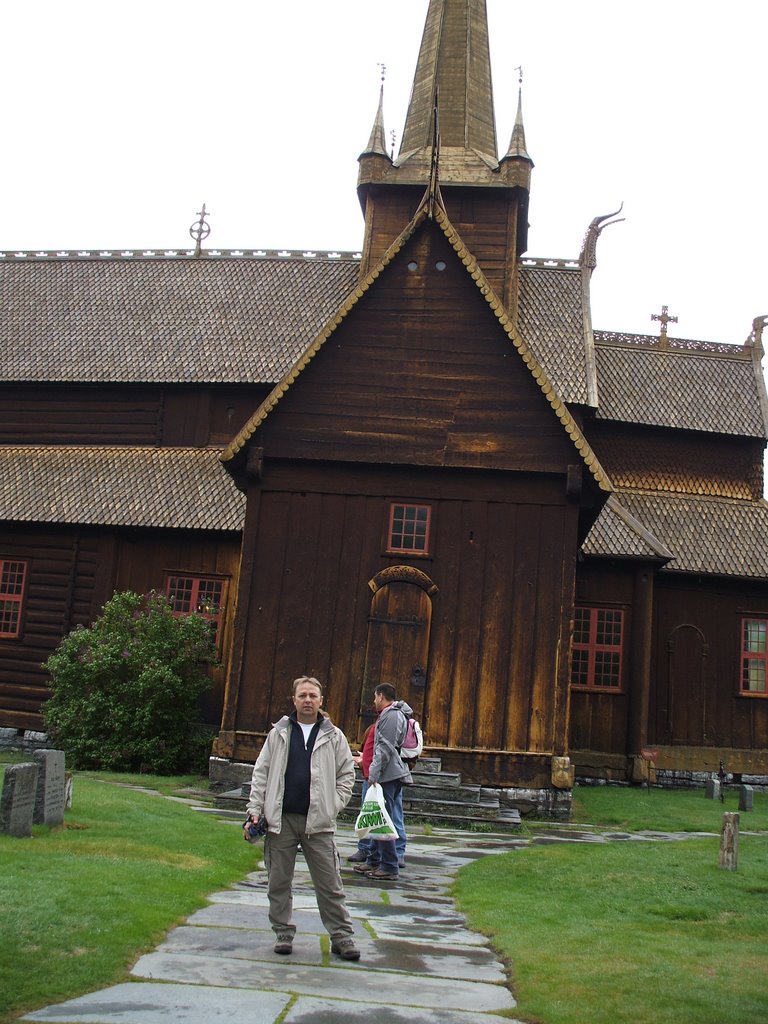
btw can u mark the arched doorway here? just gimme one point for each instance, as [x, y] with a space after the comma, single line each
[397, 650]
[686, 710]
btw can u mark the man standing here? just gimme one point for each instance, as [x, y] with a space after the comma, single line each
[388, 769]
[302, 779]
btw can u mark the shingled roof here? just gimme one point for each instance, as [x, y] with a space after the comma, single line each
[164, 319]
[720, 536]
[552, 319]
[692, 385]
[174, 488]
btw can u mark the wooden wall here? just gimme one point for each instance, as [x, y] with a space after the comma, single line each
[600, 721]
[503, 557]
[71, 574]
[53, 414]
[420, 373]
[694, 705]
[486, 220]
[695, 700]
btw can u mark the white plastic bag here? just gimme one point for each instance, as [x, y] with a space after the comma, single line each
[373, 822]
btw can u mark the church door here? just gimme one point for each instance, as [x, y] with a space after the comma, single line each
[686, 711]
[397, 651]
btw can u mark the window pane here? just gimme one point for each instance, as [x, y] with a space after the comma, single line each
[9, 617]
[180, 593]
[580, 668]
[597, 644]
[581, 626]
[209, 596]
[12, 582]
[12, 578]
[754, 636]
[754, 680]
[409, 528]
[606, 668]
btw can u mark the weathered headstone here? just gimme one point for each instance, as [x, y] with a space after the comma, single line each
[51, 793]
[729, 841]
[17, 803]
[746, 798]
[712, 789]
[68, 786]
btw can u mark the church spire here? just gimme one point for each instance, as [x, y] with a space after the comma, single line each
[517, 150]
[377, 143]
[454, 61]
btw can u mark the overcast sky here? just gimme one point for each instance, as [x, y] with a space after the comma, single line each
[120, 120]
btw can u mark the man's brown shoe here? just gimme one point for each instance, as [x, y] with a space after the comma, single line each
[346, 949]
[284, 943]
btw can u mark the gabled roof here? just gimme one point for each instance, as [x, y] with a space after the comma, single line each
[692, 385]
[425, 211]
[708, 535]
[173, 488]
[225, 318]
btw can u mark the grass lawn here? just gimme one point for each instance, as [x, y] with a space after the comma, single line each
[81, 903]
[632, 931]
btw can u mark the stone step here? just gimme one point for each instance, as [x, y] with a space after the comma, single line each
[456, 794]
[485, 809]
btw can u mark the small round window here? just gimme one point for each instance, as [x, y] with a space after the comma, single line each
[413, 265]
[440, 265]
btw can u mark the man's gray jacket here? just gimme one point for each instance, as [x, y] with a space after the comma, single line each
[391, 725]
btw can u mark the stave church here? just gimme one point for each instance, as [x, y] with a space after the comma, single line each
[420, 463]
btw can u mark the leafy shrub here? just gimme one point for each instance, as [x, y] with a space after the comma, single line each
[125, 690]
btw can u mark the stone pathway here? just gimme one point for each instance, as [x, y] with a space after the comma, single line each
[420, 962]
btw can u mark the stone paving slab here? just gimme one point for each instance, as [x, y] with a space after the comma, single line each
[443, 934]
[228, 915]
[145, 1003]
[240, 945]
[352, 980]
[445, 961]
[327, 1011]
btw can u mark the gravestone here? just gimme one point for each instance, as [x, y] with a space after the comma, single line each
[17, 803]
[746, 799]
[51, 788]
[712, 789]
[729, 841]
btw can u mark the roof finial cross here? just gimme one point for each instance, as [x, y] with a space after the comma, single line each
[200, 231]
[665, 319]
[519, 71]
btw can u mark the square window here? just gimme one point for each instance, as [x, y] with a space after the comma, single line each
[13, 575]
[409, 527]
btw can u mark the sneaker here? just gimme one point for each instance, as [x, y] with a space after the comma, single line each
[358, 857]
[284, 943]
[346, 949]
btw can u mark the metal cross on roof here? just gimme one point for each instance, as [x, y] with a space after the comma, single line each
[200, 230]
[665, 319]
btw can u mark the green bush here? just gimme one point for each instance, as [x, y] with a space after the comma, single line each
[125, 690]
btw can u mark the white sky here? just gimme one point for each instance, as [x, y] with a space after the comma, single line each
[120, 120]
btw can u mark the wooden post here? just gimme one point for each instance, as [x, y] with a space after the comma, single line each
[729, 841]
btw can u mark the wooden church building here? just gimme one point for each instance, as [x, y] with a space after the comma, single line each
[418, 464]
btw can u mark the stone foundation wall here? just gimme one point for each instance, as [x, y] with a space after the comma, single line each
[22, 741]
